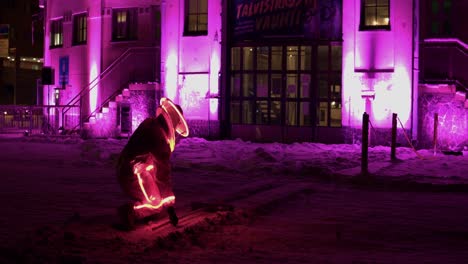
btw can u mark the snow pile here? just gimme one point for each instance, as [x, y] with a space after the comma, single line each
[310, 159]
[237, 156]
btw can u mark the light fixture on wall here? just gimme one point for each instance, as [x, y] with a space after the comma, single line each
[369, 94]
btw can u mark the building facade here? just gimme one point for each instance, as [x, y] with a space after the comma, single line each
[191, 61]
[21, 51]
[262, 70]
[283, 70]
[379, 41]
[96, 50]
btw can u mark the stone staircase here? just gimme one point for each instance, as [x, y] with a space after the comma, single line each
[107, 122]
[447, 89]
[123, 113]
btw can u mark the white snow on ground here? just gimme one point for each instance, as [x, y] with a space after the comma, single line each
[56, 181]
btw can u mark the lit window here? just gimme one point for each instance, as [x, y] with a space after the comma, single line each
[375, 14]
[56, 33]
[124, 24]
[196, 17]
[79, 29]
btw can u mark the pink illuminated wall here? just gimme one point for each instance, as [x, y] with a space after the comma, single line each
[377, 67]
[88, 61]
[84, 60]
[190, 65]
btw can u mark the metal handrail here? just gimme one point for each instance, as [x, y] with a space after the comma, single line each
[107, 71]
[456, 74]
[455, 82]
[114, 94]
[458, 42]
[33, 119]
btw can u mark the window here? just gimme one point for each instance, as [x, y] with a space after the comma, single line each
[80, 26]
[375, 14]
[290, 85]
[196, 18]
[441, 17]
[157, 25]
[124, 24]
[56, 33]
[328, 82]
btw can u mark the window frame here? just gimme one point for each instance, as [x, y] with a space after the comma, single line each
[440, 17]
[77, 29]
[199, 31]
[288, 109]
[56, 27]
[130, 25]
[362, 24]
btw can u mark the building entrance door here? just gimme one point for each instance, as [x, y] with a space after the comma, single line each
[276, 90]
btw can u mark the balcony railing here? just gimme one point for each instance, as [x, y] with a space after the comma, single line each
[444, 60]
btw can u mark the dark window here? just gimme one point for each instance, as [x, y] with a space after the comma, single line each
[157, 25]
[124, 24]
[375, 14]
[441, 17]
[56, 33]
[80, 26]
[10, 3]
[291, 85]
[196, 18]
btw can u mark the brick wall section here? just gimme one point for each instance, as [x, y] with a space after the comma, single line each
[143, 103]
[452, 125]
[204, 128]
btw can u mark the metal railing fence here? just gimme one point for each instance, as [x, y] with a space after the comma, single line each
[37, 119]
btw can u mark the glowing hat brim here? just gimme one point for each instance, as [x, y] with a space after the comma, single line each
[177, 118]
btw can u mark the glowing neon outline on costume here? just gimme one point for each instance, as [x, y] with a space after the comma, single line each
[143, 190]
[164, 110]
[181, 117]
[150, 206]
[140, 181]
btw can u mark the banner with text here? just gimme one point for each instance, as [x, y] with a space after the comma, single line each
[265, 19]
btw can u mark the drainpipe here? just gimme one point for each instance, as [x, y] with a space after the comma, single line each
[162, 52]
[415, 72]
[179, 39]
[103, 14]
[223, 107]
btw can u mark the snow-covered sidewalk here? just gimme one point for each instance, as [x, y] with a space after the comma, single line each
[64, 190]
[239, 156]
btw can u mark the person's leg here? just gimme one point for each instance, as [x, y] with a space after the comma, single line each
[172, 215]
[127, 216]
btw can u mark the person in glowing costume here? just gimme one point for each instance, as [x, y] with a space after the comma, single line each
[144, 170]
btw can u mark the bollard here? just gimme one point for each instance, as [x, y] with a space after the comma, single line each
[394, 134]
[365, 144]
[436, 122]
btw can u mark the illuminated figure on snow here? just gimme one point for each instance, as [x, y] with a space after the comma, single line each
[144, 170]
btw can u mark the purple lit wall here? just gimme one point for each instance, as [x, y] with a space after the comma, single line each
[94, 43]
[84, 60]
[191, 64]
[89, 60]
[143, 98]
[377, 67]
